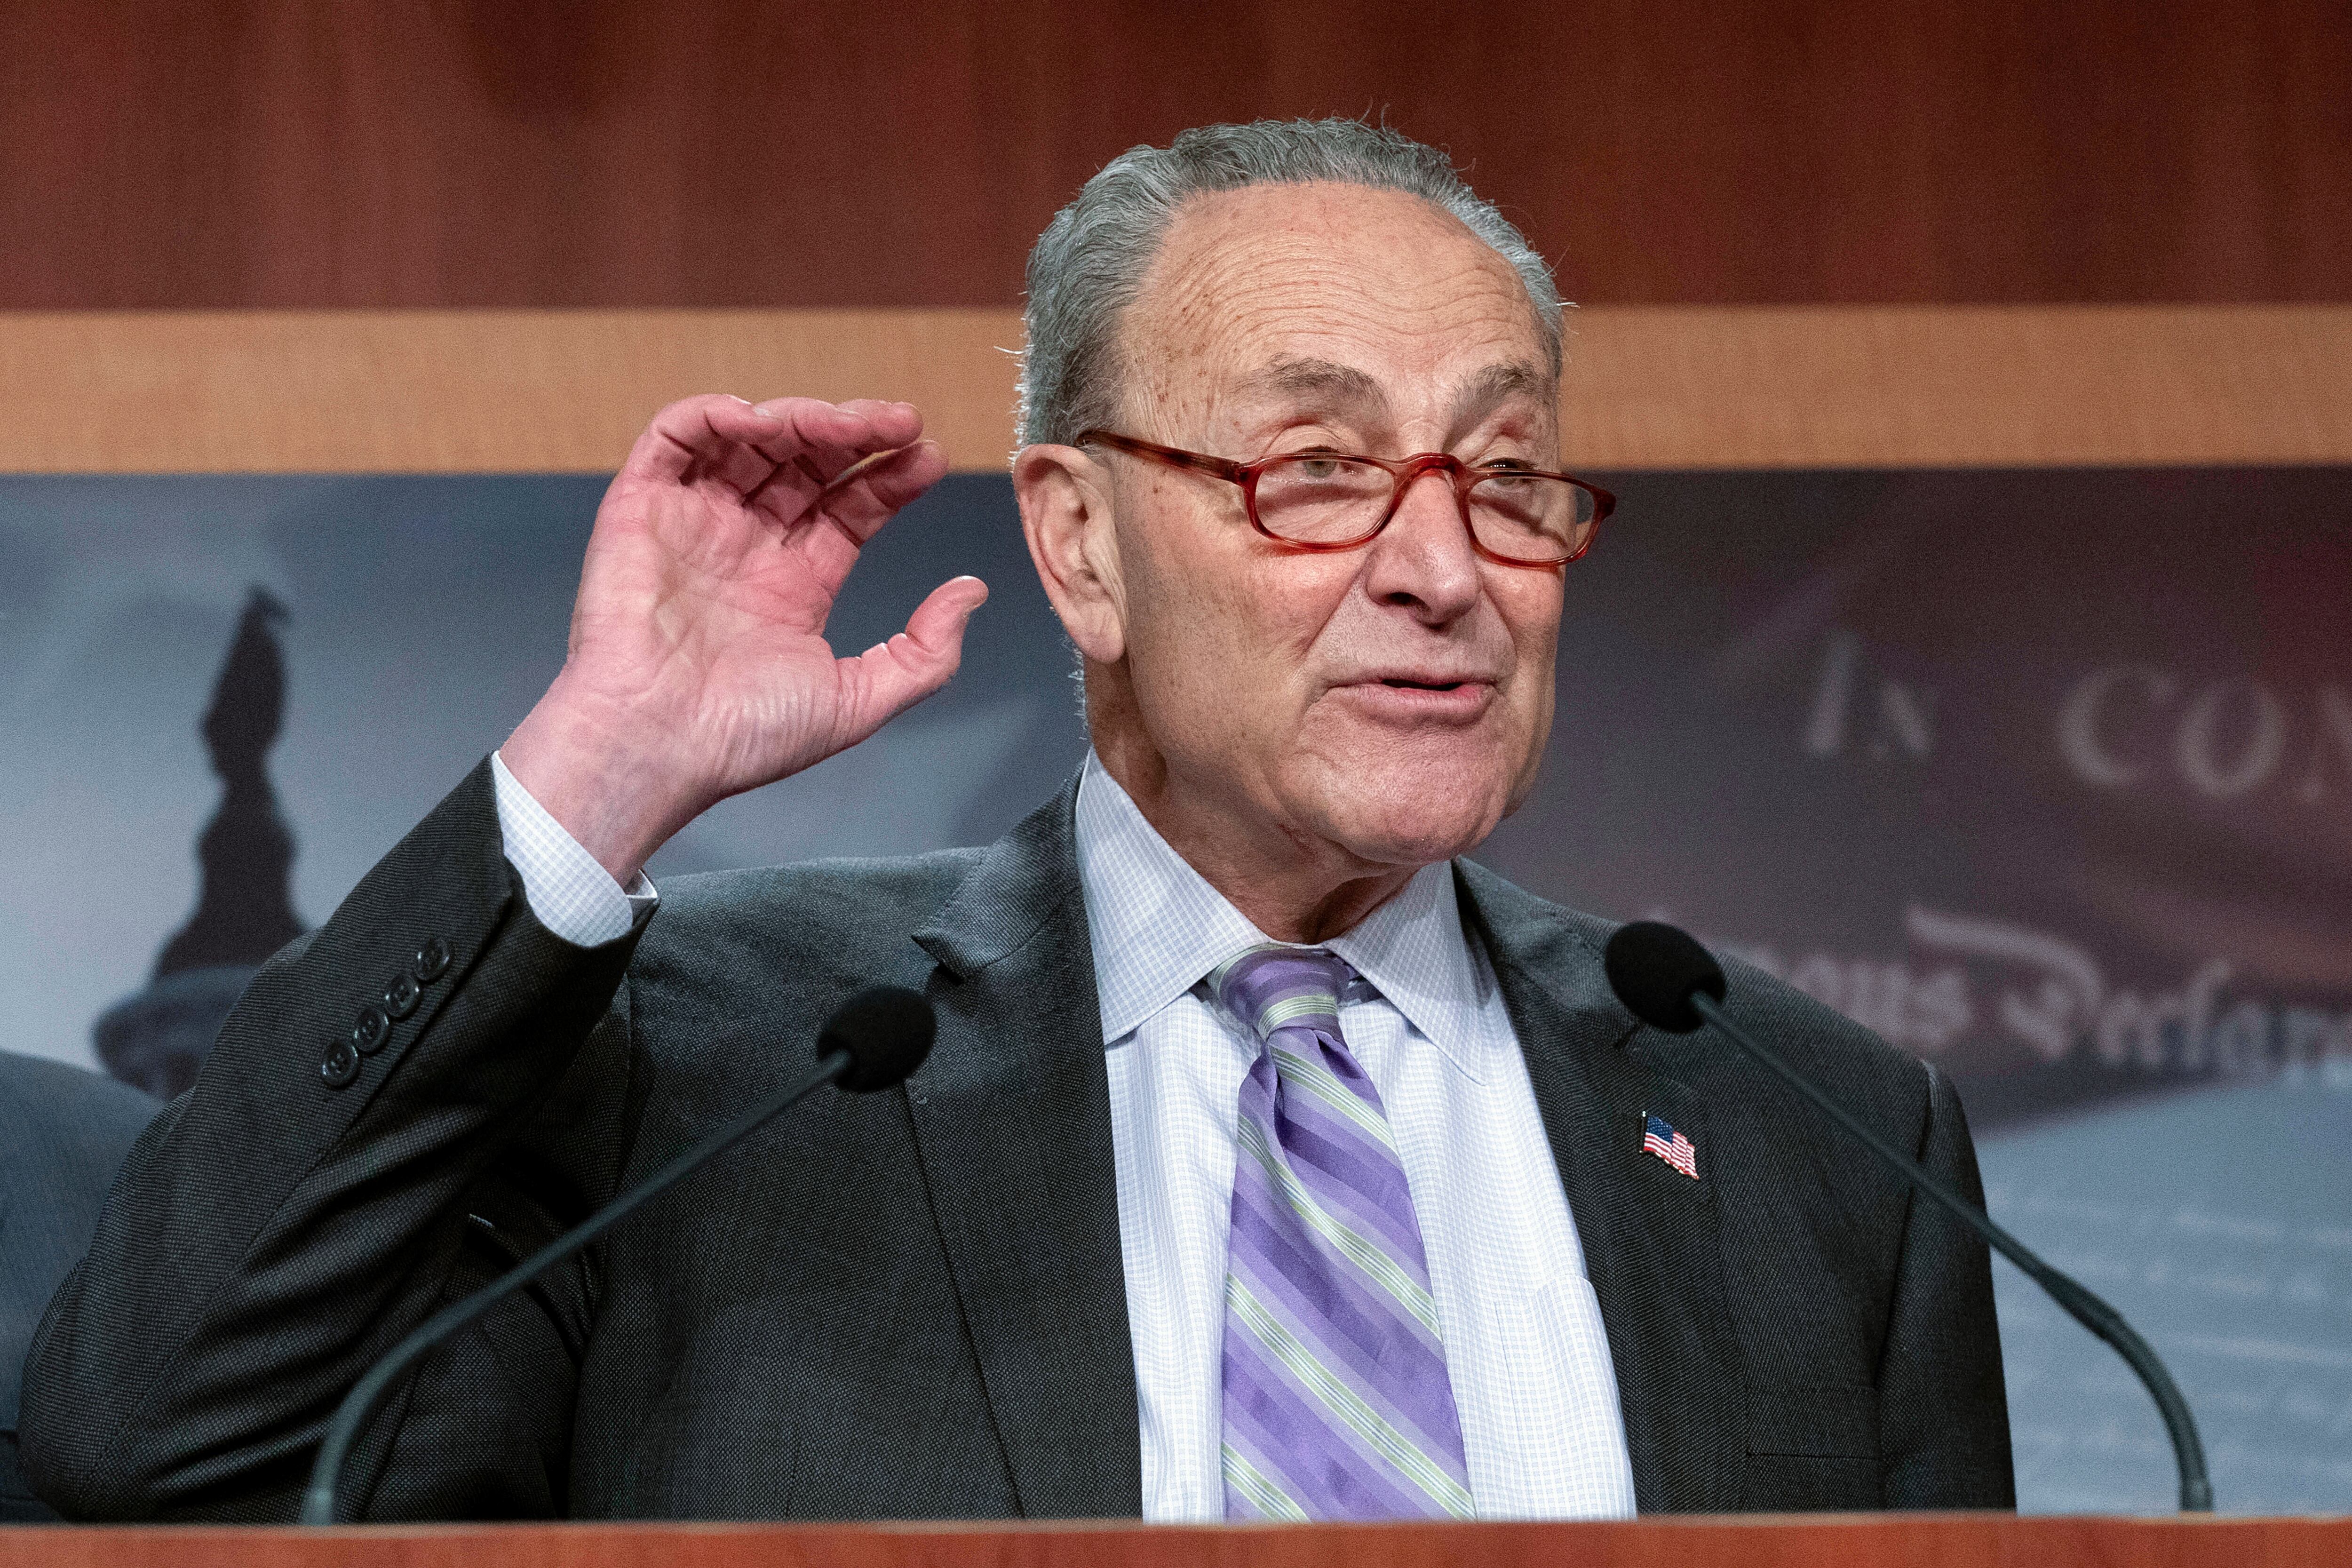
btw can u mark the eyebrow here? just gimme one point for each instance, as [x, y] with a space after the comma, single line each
[1322, 379]
[1498, 383]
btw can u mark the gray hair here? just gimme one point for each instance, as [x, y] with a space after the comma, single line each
[1089, 264]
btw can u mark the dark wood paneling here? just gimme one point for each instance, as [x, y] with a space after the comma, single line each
[608, 153]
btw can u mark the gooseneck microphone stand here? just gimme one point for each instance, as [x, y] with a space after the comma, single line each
[875, 1039]
[1667, 980]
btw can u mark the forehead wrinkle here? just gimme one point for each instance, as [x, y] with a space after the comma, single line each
[1237, 277]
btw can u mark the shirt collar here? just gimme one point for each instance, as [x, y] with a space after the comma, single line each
[1158, 927]
[1413, 950]
[1156, 924]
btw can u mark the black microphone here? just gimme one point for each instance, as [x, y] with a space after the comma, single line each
[1669, 982]
[873, 1041]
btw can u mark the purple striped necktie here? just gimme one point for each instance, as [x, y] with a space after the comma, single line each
[1337, 1403]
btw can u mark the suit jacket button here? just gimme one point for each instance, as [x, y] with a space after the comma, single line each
[369, 1030]
[431, 962]
[400, 994]
[341, 1065]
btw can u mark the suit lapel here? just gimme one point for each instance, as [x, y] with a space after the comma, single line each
[1013, 1120]
[1651, 1241]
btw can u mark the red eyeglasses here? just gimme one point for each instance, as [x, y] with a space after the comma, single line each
[1337, 500]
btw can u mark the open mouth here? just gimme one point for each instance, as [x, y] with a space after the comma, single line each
[1402, 685]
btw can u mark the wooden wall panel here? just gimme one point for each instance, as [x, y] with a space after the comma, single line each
[686, 152]
[1647, 387]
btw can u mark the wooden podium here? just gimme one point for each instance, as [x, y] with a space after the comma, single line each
[1894, 1541]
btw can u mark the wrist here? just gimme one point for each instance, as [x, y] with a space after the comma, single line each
[605, 773]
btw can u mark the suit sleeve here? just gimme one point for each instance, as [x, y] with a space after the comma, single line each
[1943, 1412]
[304, 1205]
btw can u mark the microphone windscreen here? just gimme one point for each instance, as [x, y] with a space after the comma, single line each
[1654, 968]
[886, 1032]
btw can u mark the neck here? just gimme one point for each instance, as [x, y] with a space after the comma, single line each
[1291, 886]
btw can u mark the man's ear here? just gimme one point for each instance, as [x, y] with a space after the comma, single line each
[1066, 515]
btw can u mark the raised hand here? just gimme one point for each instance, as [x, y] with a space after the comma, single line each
[698, 667]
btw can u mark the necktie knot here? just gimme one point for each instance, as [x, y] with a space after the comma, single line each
[1272, 986]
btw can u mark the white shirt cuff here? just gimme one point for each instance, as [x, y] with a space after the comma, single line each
[572, 895]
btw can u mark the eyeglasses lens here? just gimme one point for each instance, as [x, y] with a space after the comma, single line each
[1315, 498]
[1530, 518]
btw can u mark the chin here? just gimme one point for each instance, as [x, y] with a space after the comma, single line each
[1403, 809]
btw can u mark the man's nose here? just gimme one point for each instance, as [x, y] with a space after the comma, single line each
[1423, 561]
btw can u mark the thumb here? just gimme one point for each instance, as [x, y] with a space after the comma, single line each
[891, 676]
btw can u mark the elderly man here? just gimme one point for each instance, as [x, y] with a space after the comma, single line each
[1273, 1160]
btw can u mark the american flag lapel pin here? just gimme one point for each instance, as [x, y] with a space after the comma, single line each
[1659, 1138]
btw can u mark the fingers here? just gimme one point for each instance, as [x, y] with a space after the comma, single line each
[820, 441]
[898, 423]
[891, 676]
[858, 505]
[865, 498]
[801, 444]
[694, 434]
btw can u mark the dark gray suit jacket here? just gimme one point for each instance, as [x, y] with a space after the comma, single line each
[909, 1304]
[63, 1133]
